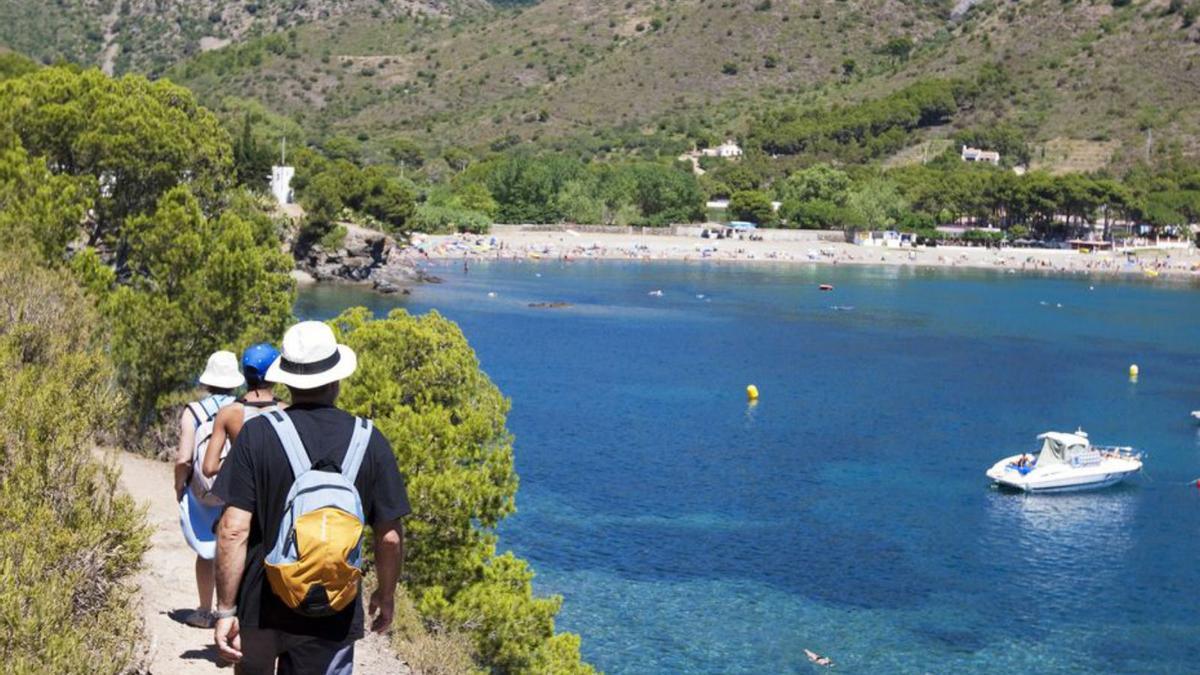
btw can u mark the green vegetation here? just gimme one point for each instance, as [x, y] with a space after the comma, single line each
[332, 190]
[753, 206]
[131, 138]
[180, 266]
[421, 383]
[864, 131]
[69, 539]
[555, 189]
[201, 284]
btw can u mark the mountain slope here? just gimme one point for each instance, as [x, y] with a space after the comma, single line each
[148, 35]
[1098, 77]
[559, 67]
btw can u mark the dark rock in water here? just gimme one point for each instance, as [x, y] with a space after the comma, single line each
[385, 287]
[549, 305]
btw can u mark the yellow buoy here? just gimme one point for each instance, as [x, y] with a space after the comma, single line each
[752, 392]
[1133, 372]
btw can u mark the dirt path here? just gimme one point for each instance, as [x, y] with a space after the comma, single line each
[108, 53]
[169, 592]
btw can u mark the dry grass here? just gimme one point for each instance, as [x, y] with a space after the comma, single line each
[919, 153]
[429, 650]
[1067, 155]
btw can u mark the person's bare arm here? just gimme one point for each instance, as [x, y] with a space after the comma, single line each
[226, 427]
[232, 533]
[389, 555]
[183, 454]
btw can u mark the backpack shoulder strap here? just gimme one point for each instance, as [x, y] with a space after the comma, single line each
[358, 448]
[292, 446]
[195, 415]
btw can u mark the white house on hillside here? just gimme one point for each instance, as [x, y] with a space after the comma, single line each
[970, 154]
[727, 150]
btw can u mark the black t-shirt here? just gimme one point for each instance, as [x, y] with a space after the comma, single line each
[256, 477]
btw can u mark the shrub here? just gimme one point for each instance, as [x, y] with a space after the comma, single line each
[68, 537]
[201, 284]
[444, 219]
[421, 383]
[752, 205]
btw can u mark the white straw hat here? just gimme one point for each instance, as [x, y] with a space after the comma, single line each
[222, 371]
[311, 357]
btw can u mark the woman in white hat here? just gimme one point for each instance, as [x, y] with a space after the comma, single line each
[220, 377]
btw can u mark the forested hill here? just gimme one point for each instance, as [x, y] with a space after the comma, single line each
[1084, 82]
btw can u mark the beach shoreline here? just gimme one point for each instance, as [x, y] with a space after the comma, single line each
[514, 243]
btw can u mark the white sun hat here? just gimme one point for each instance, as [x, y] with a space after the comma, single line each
[311, 357]
[222, 371]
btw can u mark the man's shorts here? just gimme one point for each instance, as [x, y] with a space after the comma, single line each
[297, 654]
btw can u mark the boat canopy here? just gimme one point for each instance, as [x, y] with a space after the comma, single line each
[1061, 447]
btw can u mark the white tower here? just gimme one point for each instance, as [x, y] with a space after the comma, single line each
[281, 177]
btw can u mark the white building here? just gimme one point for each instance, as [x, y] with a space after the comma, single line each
[970, 154]
[727, 150]
[281, 183]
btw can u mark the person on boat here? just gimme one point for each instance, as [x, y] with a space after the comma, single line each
[259, 396]
[219, 379]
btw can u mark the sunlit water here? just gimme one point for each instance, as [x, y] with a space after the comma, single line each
[848, 511]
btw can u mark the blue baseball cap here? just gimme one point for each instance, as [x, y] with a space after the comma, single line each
[255, 362]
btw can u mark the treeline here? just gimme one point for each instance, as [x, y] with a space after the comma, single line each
[552, 189]
[856, 133]
[948, 191]
[138, 256]
[1051, 205]
[513, 187]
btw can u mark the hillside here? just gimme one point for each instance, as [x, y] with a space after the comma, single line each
[555, 69]
[148, 35]
[1076, 78]
[1080, 71]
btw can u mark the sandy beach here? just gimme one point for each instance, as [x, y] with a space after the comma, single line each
[508, 242]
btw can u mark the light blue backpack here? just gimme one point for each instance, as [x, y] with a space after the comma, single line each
[316, 563]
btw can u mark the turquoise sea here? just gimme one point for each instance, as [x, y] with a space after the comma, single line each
[847, 512]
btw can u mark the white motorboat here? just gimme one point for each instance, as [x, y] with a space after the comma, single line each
[1196, 415]
[1066, 462]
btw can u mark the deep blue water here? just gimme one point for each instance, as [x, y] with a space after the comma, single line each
[847, 512]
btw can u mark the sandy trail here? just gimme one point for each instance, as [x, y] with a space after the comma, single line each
[169, 592]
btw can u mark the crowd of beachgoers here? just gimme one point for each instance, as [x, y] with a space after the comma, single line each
[509, 243]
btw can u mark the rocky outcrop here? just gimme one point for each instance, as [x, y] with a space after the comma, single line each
[364, 256]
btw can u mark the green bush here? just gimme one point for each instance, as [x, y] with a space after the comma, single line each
[137, 138]
[68, 538]
[200, 284]
[870, 129]
[753, 206]
[421, 383]
[445, 219]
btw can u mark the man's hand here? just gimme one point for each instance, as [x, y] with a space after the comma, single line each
[381, 607]
[229, 640]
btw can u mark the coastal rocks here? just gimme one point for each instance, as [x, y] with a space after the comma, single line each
[388, 288]
[302, 278]
[364, 256]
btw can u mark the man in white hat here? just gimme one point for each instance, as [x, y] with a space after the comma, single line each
[219, 379]
[254, 627]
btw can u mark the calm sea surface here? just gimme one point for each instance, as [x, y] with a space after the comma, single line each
[848, 511]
